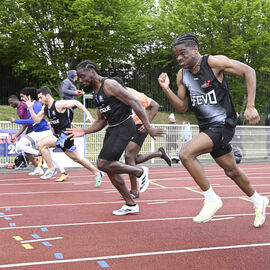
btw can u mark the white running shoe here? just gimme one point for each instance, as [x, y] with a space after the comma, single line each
[125, 209]
[99, 178]
[37, 171]
[48, 174]
[260, 212]
[143, 180]
[208, 211]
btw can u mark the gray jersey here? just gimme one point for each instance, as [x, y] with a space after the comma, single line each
[209, 98]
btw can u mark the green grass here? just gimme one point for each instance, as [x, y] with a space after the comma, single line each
[7, 112]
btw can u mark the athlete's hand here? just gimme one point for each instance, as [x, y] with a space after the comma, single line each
[142, 129]
[164, 80]
[252, 115]
[14, 139]
[74, 132]
[28, 102]
[157, 132]
[12, 120]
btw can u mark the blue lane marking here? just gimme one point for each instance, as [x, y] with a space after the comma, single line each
[7, 209]
[103, 264]
[12, 224]
[8, 218]
[2, 214]
[58, 256]
[47, 244]
[35, 236]
[44, 229]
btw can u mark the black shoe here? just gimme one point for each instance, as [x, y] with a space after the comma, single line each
[165, 156]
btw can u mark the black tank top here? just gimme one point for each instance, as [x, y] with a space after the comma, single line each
[113, 110]
[210, 99]
[59, 121]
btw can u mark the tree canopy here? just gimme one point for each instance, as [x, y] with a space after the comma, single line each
[43, 39]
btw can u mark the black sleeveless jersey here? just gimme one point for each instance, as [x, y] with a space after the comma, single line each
[210, 99]
[59, 121]
[112, 109]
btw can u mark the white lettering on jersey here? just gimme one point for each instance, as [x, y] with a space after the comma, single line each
[209, 98]
[105, 109]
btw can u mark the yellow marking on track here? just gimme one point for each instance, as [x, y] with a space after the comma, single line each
[27, 246]
[17, 238]
[154, 183]
[191, 189]
[247, 199]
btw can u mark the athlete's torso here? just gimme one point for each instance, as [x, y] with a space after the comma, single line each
[210, 99]
[59, 121]
[113, 110]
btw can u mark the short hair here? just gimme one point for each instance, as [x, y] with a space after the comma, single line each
[87, 65]
[14, 97]
[188, 39]
[119, 80]
[44, 90]
[29, 91]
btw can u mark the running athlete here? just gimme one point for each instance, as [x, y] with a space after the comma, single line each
[58, 113]
[132, 156]
[115, 106]
[202, 81]
[14, 102]
[28, 143]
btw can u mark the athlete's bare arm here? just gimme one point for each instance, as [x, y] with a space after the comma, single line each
[36, 117]
[220, 63]
[179, 101]
[62, 105]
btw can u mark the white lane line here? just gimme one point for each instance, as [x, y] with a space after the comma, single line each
[121, 256]
[117, 222]
[109, 202]
[102, 190]
[40, 240]
[218, 219]
[13, 215]
[157, 202]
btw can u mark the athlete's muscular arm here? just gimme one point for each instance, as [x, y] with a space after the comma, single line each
[220, 63]
[112, 88]
[179, 101]
[36, 117]
[76, 131]
[154, 106]
[62, 105]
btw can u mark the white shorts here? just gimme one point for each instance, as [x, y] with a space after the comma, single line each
[35, 137]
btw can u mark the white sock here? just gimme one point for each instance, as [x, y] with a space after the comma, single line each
[57, 162]
[256, 198]
[210, 195]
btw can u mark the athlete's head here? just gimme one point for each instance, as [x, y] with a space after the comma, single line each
[87, 72]
[44, 93]
[29, 92]
[13, 101]
[186, 49]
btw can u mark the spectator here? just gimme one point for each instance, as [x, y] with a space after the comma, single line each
[172, 137]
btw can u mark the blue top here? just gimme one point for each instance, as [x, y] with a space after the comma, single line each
[41, 126]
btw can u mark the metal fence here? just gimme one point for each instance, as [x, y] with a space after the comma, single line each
[251, 140]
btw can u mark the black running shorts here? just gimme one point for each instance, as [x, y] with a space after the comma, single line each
[64, 143]
[116, 139]
[139, 137]
[221, 134]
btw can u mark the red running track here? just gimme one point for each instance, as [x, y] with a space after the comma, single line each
[48, 225]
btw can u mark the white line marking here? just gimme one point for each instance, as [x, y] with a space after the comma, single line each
[157, 202]
[39, 240]
[120, 256]
[14, 215]
[117, 222]
[218, 219]
[111, 202]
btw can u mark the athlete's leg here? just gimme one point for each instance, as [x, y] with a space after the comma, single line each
[57, 162]
[198, 145]
[131, 152]
[75, 156]
[32, 159]
[27, 145]
[119, 183]
[43, 146]
[228, 164]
